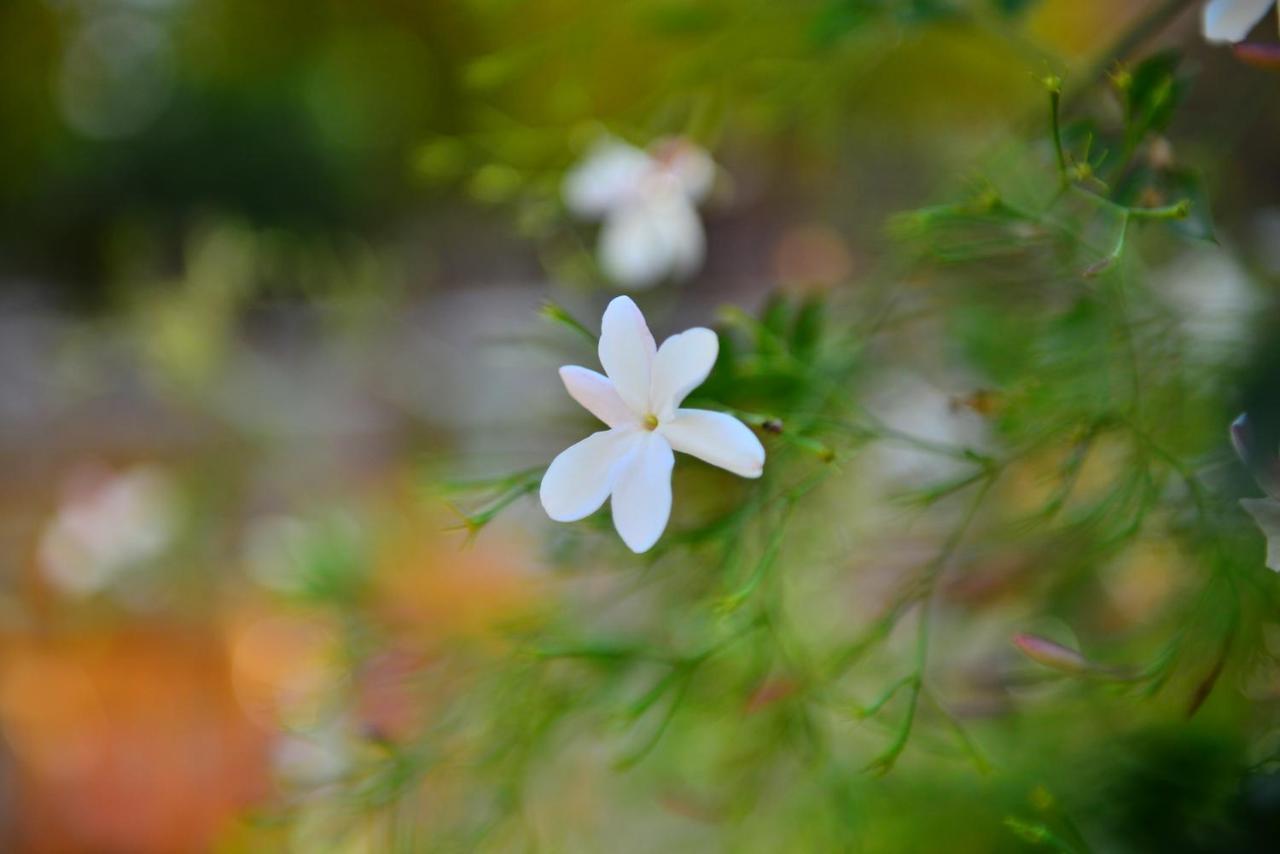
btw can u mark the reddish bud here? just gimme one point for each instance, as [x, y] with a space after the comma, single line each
[1264, 56]
[1050, 654]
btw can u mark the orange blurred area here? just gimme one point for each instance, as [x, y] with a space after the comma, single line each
[136, 718]
[438, 590]
[125, 740]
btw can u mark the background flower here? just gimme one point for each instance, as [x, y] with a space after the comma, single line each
[1231, 20]
[648, 204]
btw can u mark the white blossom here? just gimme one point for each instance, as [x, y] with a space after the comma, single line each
[1231, 20]
[647, 201]
[639, 398]
[108, 525]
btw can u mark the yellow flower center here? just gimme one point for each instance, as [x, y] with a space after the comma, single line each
[650, 422]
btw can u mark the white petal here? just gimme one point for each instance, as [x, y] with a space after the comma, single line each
[682, 364]
[607, 176]
[580, 478]
[656, 235]
[686, 241]
[716, 438]
[642, 493]
[693, 168]
[635, 250]
[597, 395]
[1266, 513]
[1231, 20]
[626, 352]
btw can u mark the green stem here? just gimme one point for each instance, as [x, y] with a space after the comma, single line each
[559, 314]
[1144, 30]
[923, 593]
[1055, 123]
[735, 600]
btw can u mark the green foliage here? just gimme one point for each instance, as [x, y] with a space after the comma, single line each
[1153, 90]
[839, 18]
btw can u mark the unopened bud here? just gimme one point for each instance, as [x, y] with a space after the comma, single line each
[1160, 154]
[1067, 660]
[1054, 655]
[1264, 56]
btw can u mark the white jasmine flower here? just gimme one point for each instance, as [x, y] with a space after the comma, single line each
[639, 399]
[108, 525]
[648, 203]
[1231, 20]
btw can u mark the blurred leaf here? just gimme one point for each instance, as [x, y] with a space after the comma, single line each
[441, 159]
[1186, 184]
[1012, 8]
[842, 17]
[495, 183]
[838, 18]
[990, 343]
[1154, 91]
[807, 328]
[1149, 187]
[682, 17]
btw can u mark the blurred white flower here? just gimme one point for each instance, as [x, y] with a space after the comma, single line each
[648, 203]
[315, 757]
[107, 526]
[1264, 466]
[1266, 513]
[1231, 20]
[639, 400]
[1214, 301]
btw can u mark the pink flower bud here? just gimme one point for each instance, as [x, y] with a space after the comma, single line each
[1259, 55]
[1050, 654]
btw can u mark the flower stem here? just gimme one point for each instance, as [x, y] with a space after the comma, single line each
[1145, 29]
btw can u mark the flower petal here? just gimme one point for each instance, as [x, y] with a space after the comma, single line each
[1263, 465]
[693, 168]
[635, 248]
[580, 478]
[682, 364]
[626, 352]
[642, 493]
[597, 395]
[608, 175]
[716, 438]
[1231, 20]
[686, 242]
[1266, 512]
